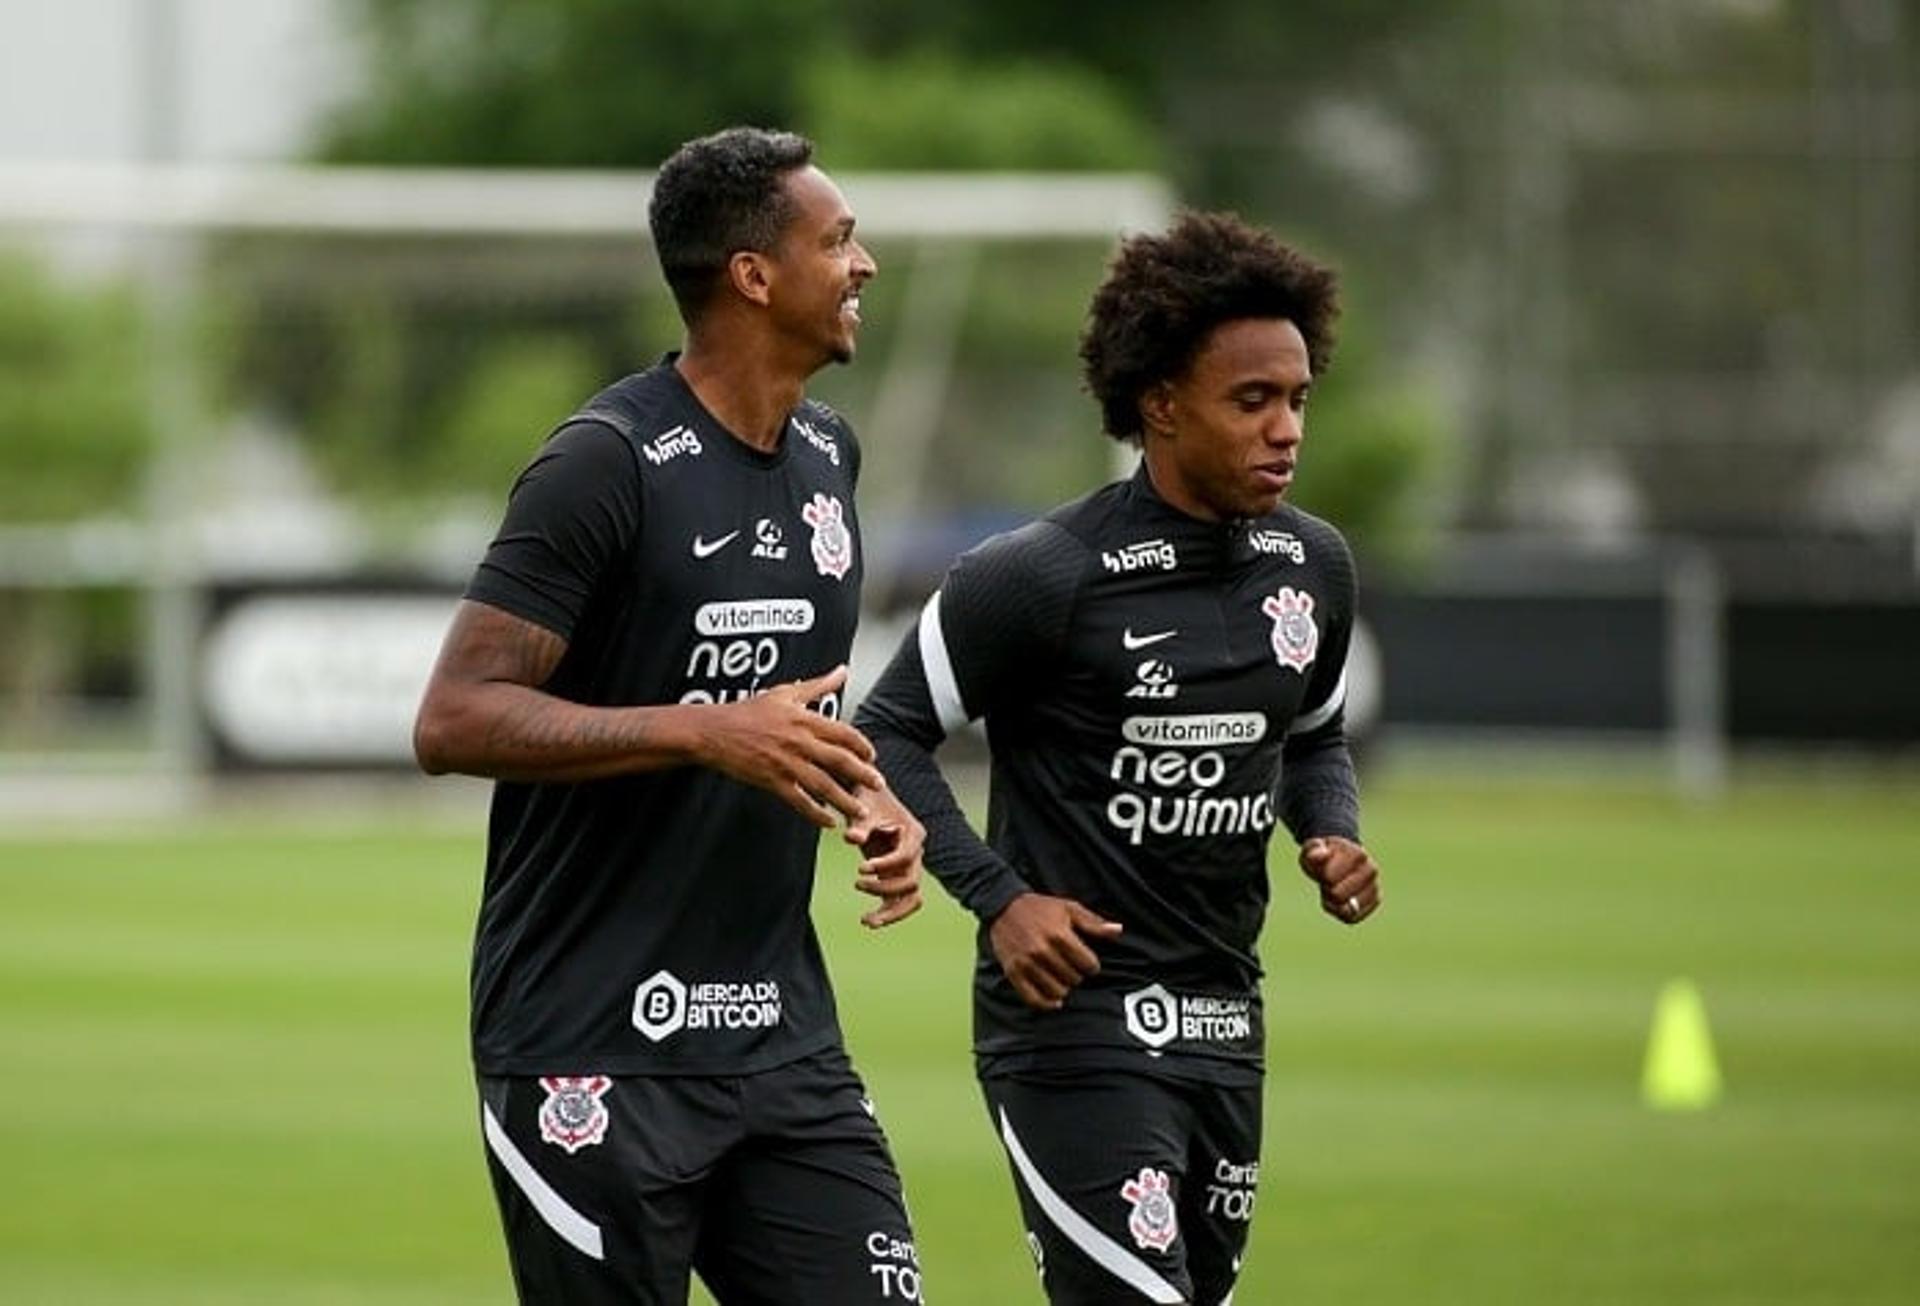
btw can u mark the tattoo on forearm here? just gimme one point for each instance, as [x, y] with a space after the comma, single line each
[545, 726]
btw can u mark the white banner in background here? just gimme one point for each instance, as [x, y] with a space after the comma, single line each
[313, 679]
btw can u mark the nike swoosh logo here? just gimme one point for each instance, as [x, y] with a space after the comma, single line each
[707, 548]
[1132, 641]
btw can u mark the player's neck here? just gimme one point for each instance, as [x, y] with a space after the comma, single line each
[746, 391]
[1174, 491]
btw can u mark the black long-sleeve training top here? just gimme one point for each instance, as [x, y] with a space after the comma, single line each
[1158, 693]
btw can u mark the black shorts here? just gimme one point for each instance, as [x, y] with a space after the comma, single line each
[776, 1188]
[1132, 1188]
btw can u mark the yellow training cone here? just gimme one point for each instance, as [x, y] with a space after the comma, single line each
[1681, 1073]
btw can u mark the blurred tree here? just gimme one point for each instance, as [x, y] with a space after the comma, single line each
[74, 433]
[902, 85]
[512, 396]
[1372, 449]
[570, 83]
[928, 110]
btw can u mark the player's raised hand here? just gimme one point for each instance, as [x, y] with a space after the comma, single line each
[1038, 942]
[1349, 880]
[776, 742]
[891, 840]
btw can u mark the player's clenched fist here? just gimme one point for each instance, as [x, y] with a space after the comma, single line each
[1349, 880]
[778, 743]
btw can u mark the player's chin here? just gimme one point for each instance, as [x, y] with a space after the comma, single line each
[1258, 502]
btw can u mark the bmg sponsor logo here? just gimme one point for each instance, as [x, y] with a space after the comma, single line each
[1142, 555]
[824, 443]
[670, 444]
[1284, 544]
[664, 1005]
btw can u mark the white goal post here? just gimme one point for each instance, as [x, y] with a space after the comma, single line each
[441, 201]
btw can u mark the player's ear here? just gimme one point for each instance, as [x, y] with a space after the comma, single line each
[750, 276]
[1156, 409]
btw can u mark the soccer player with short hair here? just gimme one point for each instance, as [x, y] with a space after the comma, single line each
[650, 661]
[1160, 668]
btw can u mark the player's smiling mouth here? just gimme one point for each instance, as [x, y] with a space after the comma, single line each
[1276, 473]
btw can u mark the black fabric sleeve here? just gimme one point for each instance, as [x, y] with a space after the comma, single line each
[572, 513]
[1319, 794]
[984, 635]
[1318, 791]
[898, 717]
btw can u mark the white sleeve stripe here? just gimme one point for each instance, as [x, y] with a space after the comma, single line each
[581, 1232]
[941, 685]
[1324, 713]
[1081, 1232]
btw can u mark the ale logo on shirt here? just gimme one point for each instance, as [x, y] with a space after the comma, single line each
[832, 541]
[767, 540]
[1295, 637]
[573, 1116]
[1155, 679]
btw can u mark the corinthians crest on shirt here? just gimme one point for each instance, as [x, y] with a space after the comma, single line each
[1295, 637]
[832, 541]
[573, 1116]
[1153, 1223]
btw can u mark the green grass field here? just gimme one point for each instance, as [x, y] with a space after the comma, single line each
[233, 1070]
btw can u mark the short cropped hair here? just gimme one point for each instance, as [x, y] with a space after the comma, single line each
[1164, 294]
[716, 196]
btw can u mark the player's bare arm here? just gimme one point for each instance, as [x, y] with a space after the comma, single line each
[485, 714]
[1345, 872]
[1038, 941]
[891, 841]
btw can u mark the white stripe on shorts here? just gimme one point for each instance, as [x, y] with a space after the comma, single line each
[1080, 1231]
[576, 1228]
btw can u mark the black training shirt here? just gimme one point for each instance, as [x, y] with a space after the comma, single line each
[1158, 692]
[658, 923]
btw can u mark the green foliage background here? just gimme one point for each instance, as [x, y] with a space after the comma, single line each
[909, 87]
[74, 428]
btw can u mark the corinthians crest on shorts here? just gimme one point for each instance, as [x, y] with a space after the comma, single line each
[832, 542]
[1295, 637]
[573, 1116]
[1153, 1223]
